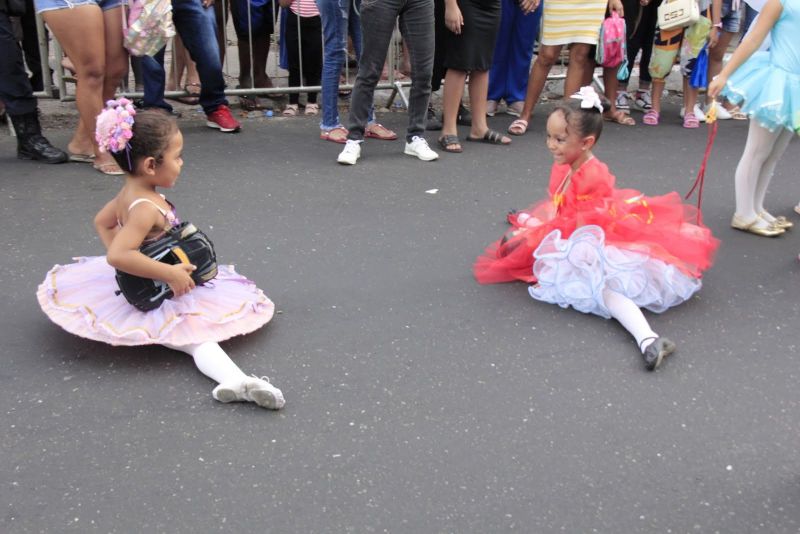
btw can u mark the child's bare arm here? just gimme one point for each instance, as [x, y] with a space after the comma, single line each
[105, 223]
[123, 253]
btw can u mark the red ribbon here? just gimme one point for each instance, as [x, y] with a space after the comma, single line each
[701, 174]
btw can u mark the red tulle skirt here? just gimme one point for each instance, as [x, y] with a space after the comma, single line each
[661, 227]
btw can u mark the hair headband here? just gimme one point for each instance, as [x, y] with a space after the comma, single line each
[114, 126]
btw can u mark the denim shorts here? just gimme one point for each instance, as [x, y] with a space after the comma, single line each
[52, 5]
[731, 20]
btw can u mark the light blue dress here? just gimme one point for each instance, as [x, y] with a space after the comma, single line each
[769, 82]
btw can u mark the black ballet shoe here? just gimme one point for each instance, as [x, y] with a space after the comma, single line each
[656, 351]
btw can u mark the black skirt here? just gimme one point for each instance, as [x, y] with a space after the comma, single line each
[474, 48]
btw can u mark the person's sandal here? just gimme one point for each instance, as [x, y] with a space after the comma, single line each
[379, 131]
[336, 135]
[737, 114]
[691, 121]
[492, 137]
[518, 127]
[651, 118]
[448, 141]
[620, 117]
[311, 110]
[109, 169]
[290, 110]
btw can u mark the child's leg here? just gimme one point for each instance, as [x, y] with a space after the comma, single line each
[624, 310]
[630, 317]
[764, 177]
[212, 361]
[234, 385]
[750, 171]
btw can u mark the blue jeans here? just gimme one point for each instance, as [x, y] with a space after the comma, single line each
[197, 27]
[337, 17]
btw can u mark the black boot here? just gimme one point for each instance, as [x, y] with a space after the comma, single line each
[31, 144]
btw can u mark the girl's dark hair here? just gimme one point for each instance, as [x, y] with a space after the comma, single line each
[152, 131]
[586, 122]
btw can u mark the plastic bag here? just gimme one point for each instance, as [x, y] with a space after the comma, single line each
[699, 77]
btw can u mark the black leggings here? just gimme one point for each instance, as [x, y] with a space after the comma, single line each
[310, 38]
[640, 37]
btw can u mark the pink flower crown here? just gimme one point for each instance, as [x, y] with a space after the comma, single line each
[114, 125]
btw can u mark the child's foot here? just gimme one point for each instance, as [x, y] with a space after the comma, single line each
[250, 389]
[778, 222]
[654, 350]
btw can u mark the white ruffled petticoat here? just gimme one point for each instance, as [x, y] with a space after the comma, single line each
[574, 272]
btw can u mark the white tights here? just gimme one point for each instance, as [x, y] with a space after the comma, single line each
[212, 361]
[761, 153]
[629, 316]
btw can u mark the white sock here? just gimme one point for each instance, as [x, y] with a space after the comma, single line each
[212, 361]
[778, 148]
[749, 171]
[630, 317]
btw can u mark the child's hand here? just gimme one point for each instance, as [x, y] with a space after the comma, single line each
[179, 280]
[713, 38]
[716, 85]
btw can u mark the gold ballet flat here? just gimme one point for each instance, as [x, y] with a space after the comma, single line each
[752, 227]
[780, 221]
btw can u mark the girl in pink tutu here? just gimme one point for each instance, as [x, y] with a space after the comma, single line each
[82, 297]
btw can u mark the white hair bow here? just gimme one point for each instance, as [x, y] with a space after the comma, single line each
[589, 98]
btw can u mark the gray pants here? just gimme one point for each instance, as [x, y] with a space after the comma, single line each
[377, 25]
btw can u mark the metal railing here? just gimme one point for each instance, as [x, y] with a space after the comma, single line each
[52, 53]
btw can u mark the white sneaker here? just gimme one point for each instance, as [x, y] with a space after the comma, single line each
[350, 153]
[419, 147]
[623, 101]
[722, 113]
[491, 108]
[250, 389]
[698, 112]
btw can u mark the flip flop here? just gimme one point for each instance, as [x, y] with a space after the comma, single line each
[447, 141]
[81, 158]
[518, 127]
[491, 137]
[109, 169]
[379, 131]
[336, 135]
[621, 118]
[193, 98]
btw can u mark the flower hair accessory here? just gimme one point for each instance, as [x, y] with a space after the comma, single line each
[589, 98]
[114, 125]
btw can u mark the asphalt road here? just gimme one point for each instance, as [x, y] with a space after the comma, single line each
[417, 400]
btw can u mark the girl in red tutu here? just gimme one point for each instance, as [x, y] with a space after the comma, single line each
[82, 297]
[597, 248]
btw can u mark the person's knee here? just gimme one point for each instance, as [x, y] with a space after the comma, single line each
[547, 57]
[92, 72]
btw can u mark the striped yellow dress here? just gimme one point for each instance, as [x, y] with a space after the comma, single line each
[572, 21]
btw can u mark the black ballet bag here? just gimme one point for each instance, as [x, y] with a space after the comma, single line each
[183, 243]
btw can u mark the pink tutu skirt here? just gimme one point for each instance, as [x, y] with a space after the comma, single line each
[82, 299]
